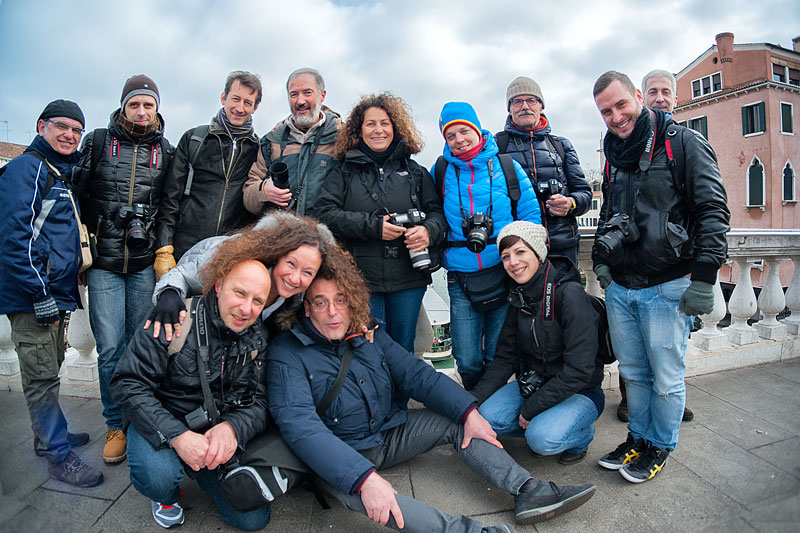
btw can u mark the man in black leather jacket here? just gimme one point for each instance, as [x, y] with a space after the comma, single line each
[660, 242]
[157, 386]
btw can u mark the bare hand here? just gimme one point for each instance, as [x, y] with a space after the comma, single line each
[391, 232]
[377, 495]
[82, 279]
[275, 195]
[559, 205]
[191, 447]
[418, 238]
[523, 423]
[369, 334]
[222, 444]
[476, 427]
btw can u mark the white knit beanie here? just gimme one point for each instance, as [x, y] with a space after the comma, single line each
[534, 235]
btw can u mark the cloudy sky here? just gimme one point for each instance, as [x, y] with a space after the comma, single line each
[427, 52]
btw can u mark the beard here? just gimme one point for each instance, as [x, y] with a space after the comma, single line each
[305, 121]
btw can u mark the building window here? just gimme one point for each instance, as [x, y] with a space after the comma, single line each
[788, 183]
[786, 118]
[754, 119]
[683, 123]
[595, 204]
[755, 184]
[782, 74]
[700, 124]
[707, 85]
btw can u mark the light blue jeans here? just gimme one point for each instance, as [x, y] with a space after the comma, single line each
[567, 426]
[119, 304]
[649, 334]
[397, 312]
[474, 334]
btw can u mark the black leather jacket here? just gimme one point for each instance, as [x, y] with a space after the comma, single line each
[127, 173]
[565, 355]
[682, 226]
[156, 390]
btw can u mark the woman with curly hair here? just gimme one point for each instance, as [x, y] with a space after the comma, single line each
[374, 200]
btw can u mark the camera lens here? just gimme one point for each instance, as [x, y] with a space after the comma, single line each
[420, 260]
[136, 234]
[279, 173]
[477, 239]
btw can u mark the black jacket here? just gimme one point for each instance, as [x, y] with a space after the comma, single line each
[682, 226]
[127, 173]
[568, 360]
[156, 390]
[214, 205]
[347, 206]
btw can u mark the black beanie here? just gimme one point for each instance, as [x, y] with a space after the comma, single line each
[139, 84]
[62, 108]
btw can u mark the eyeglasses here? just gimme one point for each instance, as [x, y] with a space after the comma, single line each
[517, 102]
[321, 305]
[60, 126]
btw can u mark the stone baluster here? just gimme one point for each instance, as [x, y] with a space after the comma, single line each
[81, 340]
[771, 301]
[742, 305]
[793, 301]
[710, 338]
[9, 363]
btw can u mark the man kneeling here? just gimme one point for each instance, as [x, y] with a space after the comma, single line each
[363, 430]
[158, 386]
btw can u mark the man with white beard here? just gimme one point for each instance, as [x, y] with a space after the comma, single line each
[303, 142]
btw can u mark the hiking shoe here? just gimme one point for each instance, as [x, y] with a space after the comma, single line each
[75, 440]
[567, 458]
[498, 529]
[628, 451]
[548, 500]
[688, 415]
[167, 516]
[74, 471]
[622, 411]
[114, 450]
[646, 466]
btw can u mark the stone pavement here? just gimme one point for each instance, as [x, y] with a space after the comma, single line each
[737, 468]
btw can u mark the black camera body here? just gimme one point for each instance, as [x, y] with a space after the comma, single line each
[135, 219]
[529, 382]
[477, 229]
[198, 420]
[413, 217]
[618, 231]
[279, 172]
[546, 189]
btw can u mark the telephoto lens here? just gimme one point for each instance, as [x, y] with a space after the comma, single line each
[279, 173]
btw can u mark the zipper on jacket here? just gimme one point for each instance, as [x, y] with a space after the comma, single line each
[227, 173]
[130, 203]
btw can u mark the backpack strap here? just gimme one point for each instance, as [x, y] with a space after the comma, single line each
[333, 392]
[266, 147]
[675, 157]
[51, 176]
[501, 138]
[556, 143]
[512, 181]
[98, 143]
[196, 141]
[439, 170]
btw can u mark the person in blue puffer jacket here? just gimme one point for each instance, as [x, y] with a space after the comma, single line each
[475, 277]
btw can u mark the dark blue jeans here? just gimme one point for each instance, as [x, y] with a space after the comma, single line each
[397, 312]
[157, 474]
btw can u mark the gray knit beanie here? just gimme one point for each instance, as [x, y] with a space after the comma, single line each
[520, 86]
[139, 84]
[534, 235]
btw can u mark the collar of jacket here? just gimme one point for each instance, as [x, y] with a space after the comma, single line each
[305, 332]
[357, 156]
[118, 131]
[530, 294]
[63, 163]
[329, 132]
[489, 151]
[512, 129]
[216, 128]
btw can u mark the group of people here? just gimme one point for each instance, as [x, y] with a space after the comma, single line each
[260, 267]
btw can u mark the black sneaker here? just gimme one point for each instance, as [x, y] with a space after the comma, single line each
[75, 440]
[647, 466]
[628, 451]
[548, 500]
[498, 529]
[74, 471]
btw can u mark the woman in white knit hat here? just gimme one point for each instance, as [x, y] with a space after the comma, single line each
[550, 341]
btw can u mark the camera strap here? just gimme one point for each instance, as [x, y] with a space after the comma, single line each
[198, 313]
[647, 156]
[333, 392]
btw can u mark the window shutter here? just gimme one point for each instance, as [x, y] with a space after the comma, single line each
[762, 117]
[704, 127]
[744, 121]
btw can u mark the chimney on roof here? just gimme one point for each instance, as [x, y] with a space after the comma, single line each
[725, 53]
[796, 43]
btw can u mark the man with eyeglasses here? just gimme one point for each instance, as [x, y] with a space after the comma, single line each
[157, 386]
[364, 429]
[39, 278]
[551, 162]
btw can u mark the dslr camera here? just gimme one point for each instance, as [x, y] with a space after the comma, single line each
[529, 382]
[413, 217]
[618, 231]
[134, 218]
[546, 189]
[476, 229]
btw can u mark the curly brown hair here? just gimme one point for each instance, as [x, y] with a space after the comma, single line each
[264, 245]
[340, 268]
[399, 113]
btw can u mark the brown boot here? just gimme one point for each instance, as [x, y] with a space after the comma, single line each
[688, 414]
[114, 450]
[622, 408]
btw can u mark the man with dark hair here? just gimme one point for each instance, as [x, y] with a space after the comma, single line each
[39, 278]
[203, 191]
[660, 242]
[303, 141]
[550, 161]
[364, 430]
[119, 181]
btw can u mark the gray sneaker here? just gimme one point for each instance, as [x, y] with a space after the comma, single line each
[74, 471]
[548, 500]
[167, 516]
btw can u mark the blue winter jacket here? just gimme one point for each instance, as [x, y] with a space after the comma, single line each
[302, 366]
[39, 235]
[473, 180]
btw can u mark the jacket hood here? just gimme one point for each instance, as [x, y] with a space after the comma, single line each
[511, 128]
[489, 150]
[119, 131]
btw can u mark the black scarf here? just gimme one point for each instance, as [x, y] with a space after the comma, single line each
[625, 154]
[379, 158]
[234, 131]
